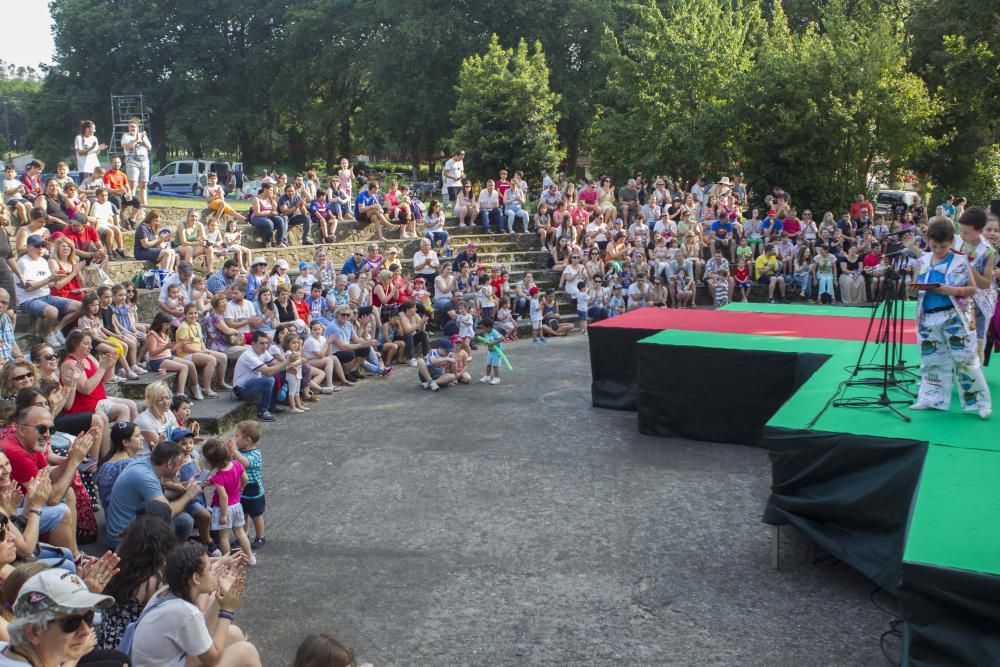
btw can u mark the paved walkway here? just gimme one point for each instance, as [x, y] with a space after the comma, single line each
[518, 525]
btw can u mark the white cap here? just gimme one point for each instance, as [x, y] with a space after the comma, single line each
[57, 590]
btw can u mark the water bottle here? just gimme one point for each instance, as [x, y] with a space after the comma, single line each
[447, 252]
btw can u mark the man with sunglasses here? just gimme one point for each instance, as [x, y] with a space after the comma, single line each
[25, 449]
[355, 264]
[53, 620]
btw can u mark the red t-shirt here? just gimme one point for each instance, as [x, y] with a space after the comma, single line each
[588, 196]
[24, 465]
[871, 259]
[503, 186]
[115, 180]
[741, 275]
[302, 308]
[497, 285]
[791, 225]
[82, 240]
[857, 207]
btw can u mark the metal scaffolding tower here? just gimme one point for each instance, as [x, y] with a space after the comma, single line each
[124, 108]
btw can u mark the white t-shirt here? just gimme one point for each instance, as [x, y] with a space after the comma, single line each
[240, 311]
[12, 188]
[146, 421]
[86, 163]
[312, 347]
[7, 662]
[173, 631]
[453, 169]
[103, 212]
[573, 276]
[419, 258]
[33, 270]
[636, 294]
[247, 366]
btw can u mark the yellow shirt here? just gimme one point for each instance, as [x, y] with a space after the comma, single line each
[764, 262]
[190, 334]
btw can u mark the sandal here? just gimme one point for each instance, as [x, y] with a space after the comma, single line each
[86, 536]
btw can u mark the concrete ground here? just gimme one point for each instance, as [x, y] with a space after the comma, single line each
[519, 525]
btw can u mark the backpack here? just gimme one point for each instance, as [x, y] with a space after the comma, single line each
[128, 637]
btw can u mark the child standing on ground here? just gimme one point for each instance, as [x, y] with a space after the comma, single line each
[720, 289]
[505, 320]
[190, 470]
[493, 340]
[535, 312]
[243, 445]
[466, 326]
[582, 304]
[293, 374]
[946, 329]
[225, 484]
[741, 274]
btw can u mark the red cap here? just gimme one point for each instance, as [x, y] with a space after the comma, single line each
[533, 290]
[772, 212]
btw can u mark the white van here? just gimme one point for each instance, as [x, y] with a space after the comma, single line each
[888, 200]
[189, 176]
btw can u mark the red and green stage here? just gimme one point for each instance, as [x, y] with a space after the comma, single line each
[914, 506]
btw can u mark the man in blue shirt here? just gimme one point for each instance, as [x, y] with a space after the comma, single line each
[771, 227]
[723, 237]
[355, 264]
[369, 210]
[140, 482]
[348, 347]
[223, 279]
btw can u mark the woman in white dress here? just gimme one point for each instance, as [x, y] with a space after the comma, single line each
[87, 148]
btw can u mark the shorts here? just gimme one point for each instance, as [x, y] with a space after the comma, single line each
[52, 515]
[253, 507]
[536, 324]
[744, 284]
[362, 216]
[493, 359]
[581, 315]
[345, 356]
[195, 507]
[104, 406]
[147, 254]
[137, 171]
[154, 364]
[435, 371]
[36, 307]
[764, 280]
[73, 423]
[236, 517]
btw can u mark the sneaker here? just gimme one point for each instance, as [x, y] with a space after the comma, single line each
[326, 390]
[226, 387]
[196, 394]
[535, 340]
[114, 379]
[209, 393]
[258, 542]
[985, 413]
[920, 406]
[307, 242]
[772, 301]
[251, 559]
[353, 377]
[139, 370]
[425, 385]
[213, 550]
[265, 416]
[412, 362]
[484, 379]
[543, 339]
[434, 386]
[52, 340]
[495, 381]
[131, 375]
[386, 372]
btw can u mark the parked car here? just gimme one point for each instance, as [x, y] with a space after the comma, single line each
[191, 176]
[888, 200]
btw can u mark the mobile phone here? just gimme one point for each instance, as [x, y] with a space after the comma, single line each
[926, 286]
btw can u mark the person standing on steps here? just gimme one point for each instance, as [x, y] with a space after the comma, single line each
[136, 145]
[452, 176]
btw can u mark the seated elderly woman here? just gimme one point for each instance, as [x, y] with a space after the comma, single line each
[52, 625]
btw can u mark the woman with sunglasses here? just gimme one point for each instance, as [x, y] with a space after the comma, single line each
[53, 623]
[47, 365]
[14, 376]
[466, 205]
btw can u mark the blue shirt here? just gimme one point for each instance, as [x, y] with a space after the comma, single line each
[318, 308]
[134, 486]
[722, 230]
[937, 273]
[771, 226]
[353, 267]
[365, 198]
[343, 333]
[217, 282]
[254, 476]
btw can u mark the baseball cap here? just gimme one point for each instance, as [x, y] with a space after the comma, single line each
[36, 241]
[258, 260]
[282, 264]
[533, 290]
[616, 286]
[303, 266]
[58, 591]
[772, 212]
[179, 434]
[446, 344]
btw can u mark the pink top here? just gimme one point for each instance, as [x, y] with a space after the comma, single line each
[230, 481]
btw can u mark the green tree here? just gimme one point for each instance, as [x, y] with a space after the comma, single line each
[674, 68]
[955, 50]
[19, 87]
[505, 115]
[826, 109]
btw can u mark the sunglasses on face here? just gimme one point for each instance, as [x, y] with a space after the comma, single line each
[50, 357]
[26, 376]
[71, 624]
[43, 429]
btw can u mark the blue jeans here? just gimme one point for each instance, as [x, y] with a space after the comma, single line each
[514, 211]
[272, 228]
[183, 525]
[261, 388]
[439, 237]
[493, 216]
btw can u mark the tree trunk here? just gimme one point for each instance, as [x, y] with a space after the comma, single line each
[296, 148]
[345, 135]
[331, 150]
[247, 153]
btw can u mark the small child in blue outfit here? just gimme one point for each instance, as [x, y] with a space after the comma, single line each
[494, 345]
[190, 470]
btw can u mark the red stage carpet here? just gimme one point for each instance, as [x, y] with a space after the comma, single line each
[761, 324]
